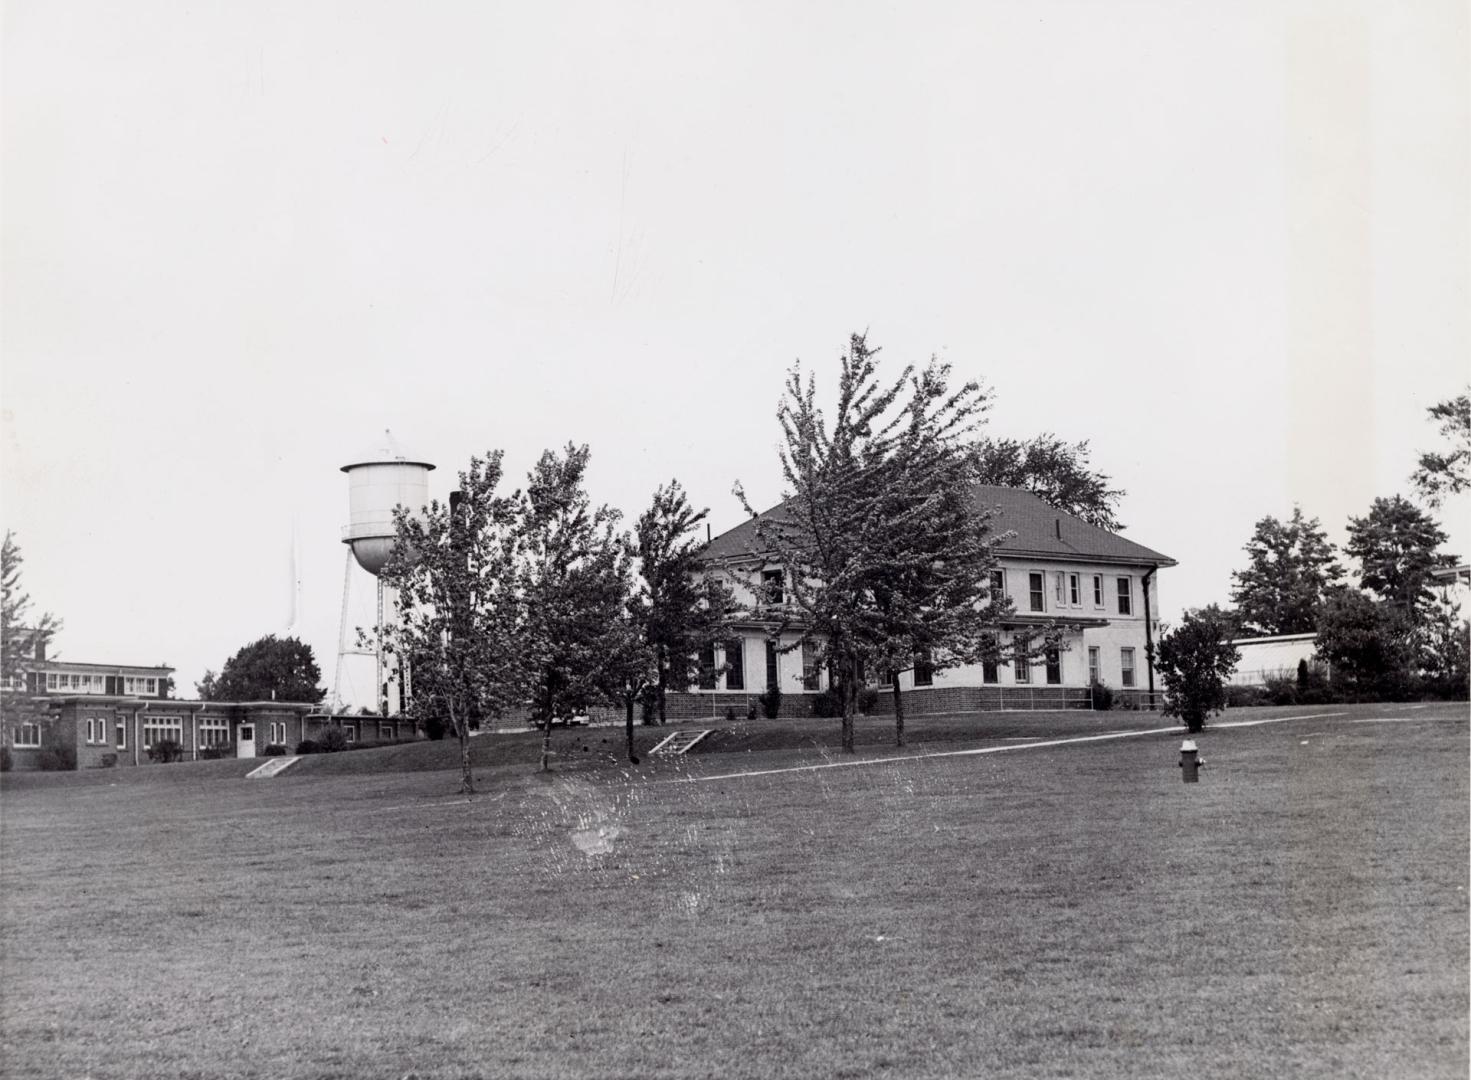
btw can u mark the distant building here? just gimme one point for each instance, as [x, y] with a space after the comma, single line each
[73, 715]
[1058, 570]
[1263, 658]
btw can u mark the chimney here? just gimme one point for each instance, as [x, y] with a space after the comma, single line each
[1059, 528]
[707, 532]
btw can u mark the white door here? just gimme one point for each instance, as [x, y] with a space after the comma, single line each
[245, 743]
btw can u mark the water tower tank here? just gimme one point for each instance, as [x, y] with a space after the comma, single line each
[379, 481]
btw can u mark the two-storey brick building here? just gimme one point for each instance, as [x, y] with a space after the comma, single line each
[1098, 588]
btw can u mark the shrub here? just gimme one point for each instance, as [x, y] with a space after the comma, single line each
[751, 709]
[274, 750]
[57, 759]
[826, 704]
[308, 746]
[332, 741]
[1102, 697]
[107, 761]
[1280, 689]
[165, 751]
[868, 699]
[730, 714]
[771, 702]
[1243, 697]
[216, 753]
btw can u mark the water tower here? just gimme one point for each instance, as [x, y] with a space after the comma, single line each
[378, 482]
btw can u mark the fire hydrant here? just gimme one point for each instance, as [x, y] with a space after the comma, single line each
[1190, 762]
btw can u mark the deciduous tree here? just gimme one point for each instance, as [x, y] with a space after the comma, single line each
[455, 569]
[1056, 471]
[931, 587]
[23, 635]
[1195, 660]
[1366, 642]
[846, 532]
[1291, 567]
[269, 668]
[682, 613]
[1449, 472]
[573, 581]
[1395, 545]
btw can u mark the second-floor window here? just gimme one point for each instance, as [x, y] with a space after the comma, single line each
[1126, 597]
[1075, 590]
[1098, 591]
[998, 585]
[1037, 590]
[771, 587]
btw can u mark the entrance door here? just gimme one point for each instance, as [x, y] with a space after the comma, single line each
[245, 743]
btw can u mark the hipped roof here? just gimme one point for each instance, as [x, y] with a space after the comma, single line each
[1040, 530]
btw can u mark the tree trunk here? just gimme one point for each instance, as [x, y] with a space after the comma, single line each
[898, 713]
[462, 729]
[546, 739]
[663, 681]
[628, 703]
[850, 695]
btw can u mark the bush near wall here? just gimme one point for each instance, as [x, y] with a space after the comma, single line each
[165, 751]
[57, 759]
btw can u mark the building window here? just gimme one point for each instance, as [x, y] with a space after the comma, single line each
[122, 734]
[924, 672]
[1093, 673]
[349, 733]
[213, 731]
[158, 728]
[28, 736]
[96, 731]
[140, 687]
[1126, 667]
[1023, 663]
[707, 667]
[1075, 590]
[65, 682]
[989, 673]
[1098, 591]
[278, 733]
[770, 664]
[1061, 579]
[1126, 596]
[771, 587]
[1037, 589]
[735, 667]
[998, 585]
[1054, 668]
[810, 676]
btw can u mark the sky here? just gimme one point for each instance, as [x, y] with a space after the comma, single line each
[1227, 244]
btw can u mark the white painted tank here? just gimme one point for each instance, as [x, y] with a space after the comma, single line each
[381, 480]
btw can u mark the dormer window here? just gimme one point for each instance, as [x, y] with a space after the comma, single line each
[771, 587]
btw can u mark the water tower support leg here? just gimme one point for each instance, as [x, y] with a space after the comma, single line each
[342, 633]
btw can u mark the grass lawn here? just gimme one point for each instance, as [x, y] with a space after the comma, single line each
[1066, 911]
